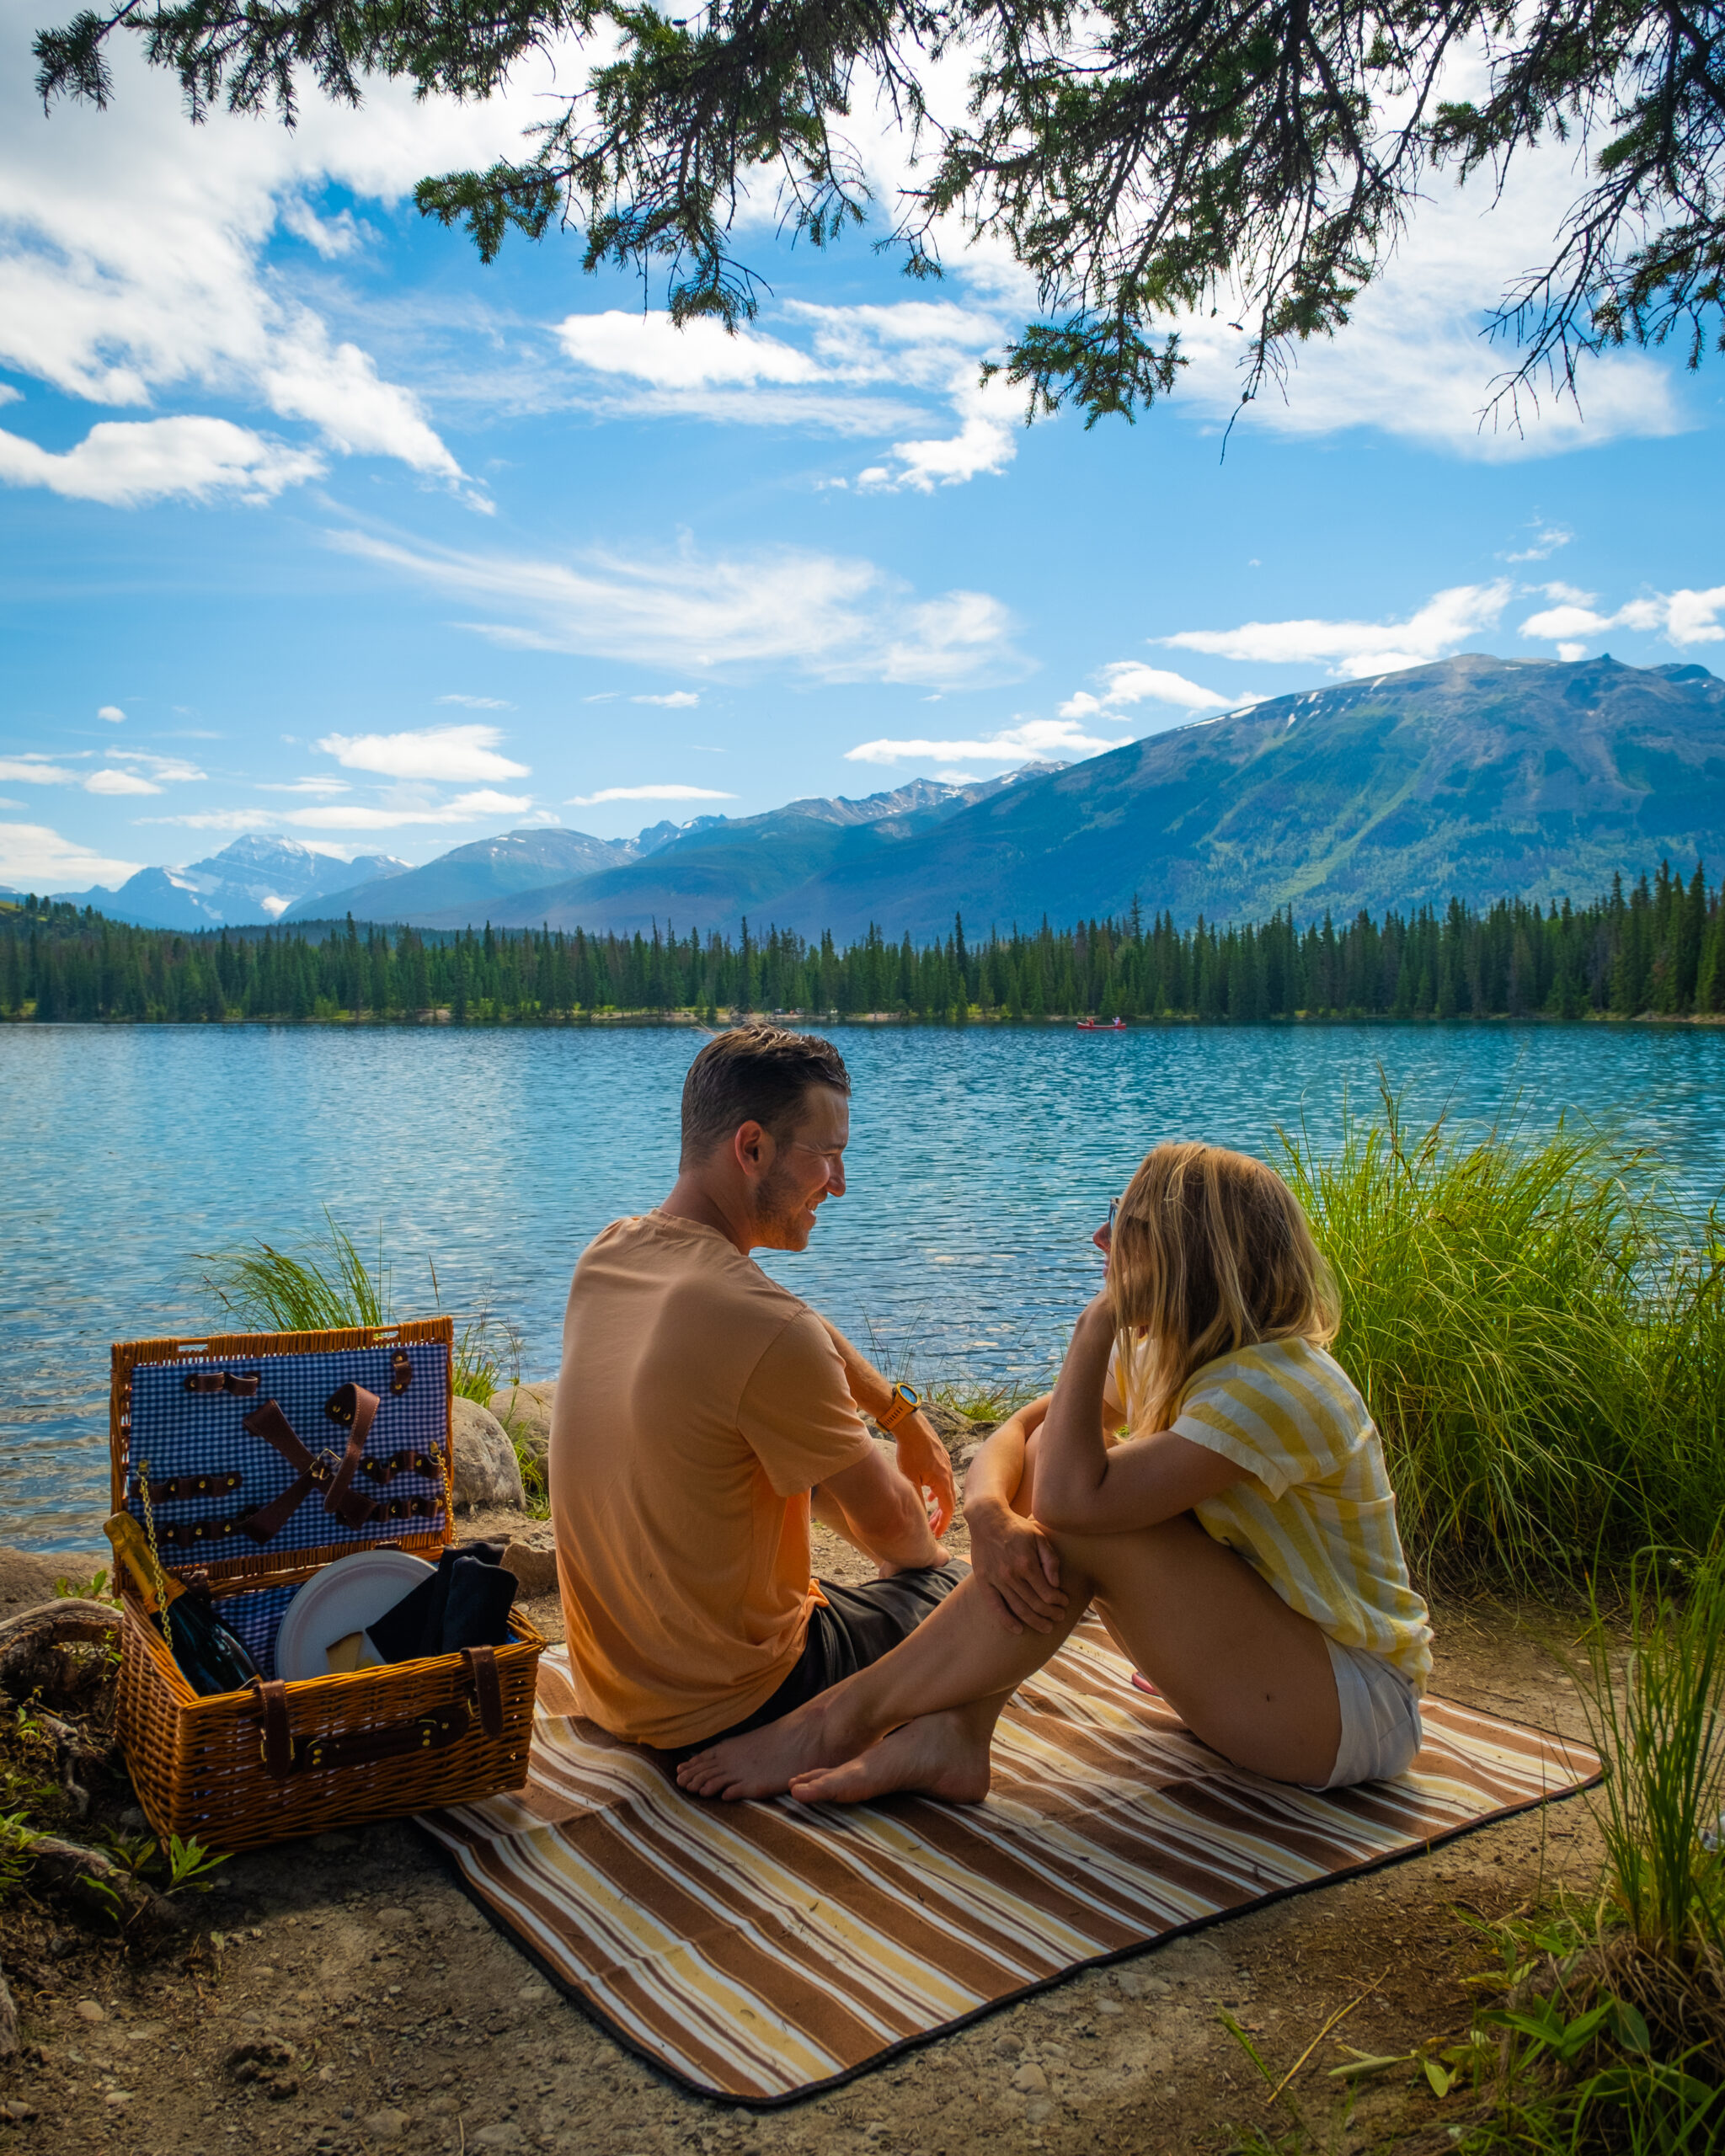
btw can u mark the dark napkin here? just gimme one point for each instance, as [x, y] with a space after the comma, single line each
[465, 1603]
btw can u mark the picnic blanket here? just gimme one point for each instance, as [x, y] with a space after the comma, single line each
[759, 1951]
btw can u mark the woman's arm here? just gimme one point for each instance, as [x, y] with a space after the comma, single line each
[1015, 1564]
[1083, 1487]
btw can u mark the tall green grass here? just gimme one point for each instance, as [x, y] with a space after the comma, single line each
[329, 1285]
[1539, 1333]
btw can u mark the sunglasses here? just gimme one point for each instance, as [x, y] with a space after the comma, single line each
[1108, 1229]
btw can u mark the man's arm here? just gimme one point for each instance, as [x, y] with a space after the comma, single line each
[922, 1457]
[881, 1514]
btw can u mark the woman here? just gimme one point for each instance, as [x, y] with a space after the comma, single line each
[1240, 1544]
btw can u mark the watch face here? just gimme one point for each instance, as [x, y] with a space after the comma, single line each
[909, 1395]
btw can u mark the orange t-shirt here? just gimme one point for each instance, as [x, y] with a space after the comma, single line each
[698, 1404]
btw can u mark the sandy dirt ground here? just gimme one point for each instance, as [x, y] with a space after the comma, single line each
[342, 1996]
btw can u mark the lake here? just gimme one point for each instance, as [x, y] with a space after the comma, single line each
[980, 1160]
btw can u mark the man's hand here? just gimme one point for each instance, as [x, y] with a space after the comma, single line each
[926, 1465]
[1018, 1567]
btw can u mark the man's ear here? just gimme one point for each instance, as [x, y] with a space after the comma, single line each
[752, 1149]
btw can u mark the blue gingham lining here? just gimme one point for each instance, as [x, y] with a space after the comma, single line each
[191, 1433]
[255, 1618]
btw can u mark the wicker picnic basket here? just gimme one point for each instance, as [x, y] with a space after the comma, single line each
[238, 1770]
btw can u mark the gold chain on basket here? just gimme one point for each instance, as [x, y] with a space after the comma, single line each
[150, 1533]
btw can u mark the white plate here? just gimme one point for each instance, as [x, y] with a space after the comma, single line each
[345, 1597]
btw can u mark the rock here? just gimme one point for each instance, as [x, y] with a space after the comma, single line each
[87, 2010]
[394, 1919]
[504, 2135]
[1030, 2080]
[9, 2022]
[486, 1469]
[265, 2060]
[386, 2125]
[525, 1411]
[1010, 2046]
[27, 1578]
[536, 1569]
[18, 2110]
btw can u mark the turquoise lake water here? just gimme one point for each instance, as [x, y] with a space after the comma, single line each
[979, 1162]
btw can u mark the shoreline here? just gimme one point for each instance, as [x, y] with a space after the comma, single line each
[725, 1018]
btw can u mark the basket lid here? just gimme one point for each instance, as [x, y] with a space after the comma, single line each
[259, 1456]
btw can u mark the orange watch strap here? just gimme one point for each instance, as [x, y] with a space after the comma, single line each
[904, 1404]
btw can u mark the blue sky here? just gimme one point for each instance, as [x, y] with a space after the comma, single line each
[312, 524]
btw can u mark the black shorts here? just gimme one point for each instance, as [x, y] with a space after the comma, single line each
[855, 1625]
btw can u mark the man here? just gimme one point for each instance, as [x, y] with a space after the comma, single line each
[703, 1412]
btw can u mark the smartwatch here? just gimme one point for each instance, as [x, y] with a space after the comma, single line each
[903, 1405]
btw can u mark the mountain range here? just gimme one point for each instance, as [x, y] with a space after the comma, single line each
[1474, 777]
[255, 879]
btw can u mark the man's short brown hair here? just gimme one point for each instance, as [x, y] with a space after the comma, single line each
[754, 1073]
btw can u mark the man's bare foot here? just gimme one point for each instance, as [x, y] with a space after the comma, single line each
[765, 1761]
[942, 1755]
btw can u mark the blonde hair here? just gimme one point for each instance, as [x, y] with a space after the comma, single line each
[1211, 1253]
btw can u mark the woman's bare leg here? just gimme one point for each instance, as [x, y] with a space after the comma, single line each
[959, 1657]
[1245, 1672]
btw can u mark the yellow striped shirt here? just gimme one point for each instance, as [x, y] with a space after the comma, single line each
[1317, 1516]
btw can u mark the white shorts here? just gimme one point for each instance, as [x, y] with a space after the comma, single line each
[1380, 1724]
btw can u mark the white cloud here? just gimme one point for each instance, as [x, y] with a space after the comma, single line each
[126, 462]
[678, 700]
[333, 237]
[479, 703]
[1569, 653]
[35, 858]
[1682, 617]
[337, 389]
[324, 789]
[132, 247]
[34, 770]
[646, 794]
[111, 782]
[112, 712]
[928, 351]
[1129, 681]
[172, 770]
[1550, 538]
[465, 808]
[1356, 650]
[449, 753]
[1034, 739]
[990, 415]
[647, 347]
[835, 618]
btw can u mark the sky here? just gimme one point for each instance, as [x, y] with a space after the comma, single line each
[314, 525]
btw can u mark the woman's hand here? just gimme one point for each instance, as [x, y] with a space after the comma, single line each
[1017, 1567]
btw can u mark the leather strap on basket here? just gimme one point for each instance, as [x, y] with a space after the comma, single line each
[269, 1423]
[439, 1728]
[488, 1690]
[277, 1746]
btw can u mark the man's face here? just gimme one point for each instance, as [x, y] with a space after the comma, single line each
[808, 1168]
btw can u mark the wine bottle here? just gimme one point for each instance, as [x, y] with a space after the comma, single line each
[210, 1658]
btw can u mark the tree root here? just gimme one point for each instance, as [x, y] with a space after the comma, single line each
[95, 1885]
[35, 1647]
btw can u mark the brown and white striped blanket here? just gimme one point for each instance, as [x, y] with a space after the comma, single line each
[758, 1951]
